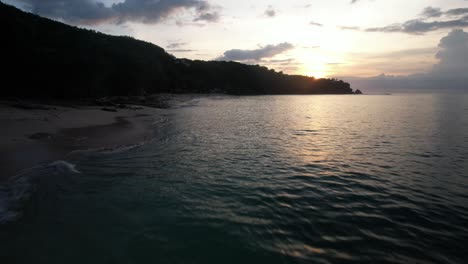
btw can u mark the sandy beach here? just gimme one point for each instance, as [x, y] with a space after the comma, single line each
[30, 137]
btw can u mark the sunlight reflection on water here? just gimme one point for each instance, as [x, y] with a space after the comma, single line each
[283, 179]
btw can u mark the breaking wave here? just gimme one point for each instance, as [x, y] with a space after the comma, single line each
[17, 192]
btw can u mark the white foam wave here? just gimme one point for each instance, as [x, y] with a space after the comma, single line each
[106, 150]
[160, 121]
[63, 166]
[19, 189]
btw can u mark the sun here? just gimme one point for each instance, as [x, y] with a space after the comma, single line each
[317, 74]
[316, 71]
[315, 66]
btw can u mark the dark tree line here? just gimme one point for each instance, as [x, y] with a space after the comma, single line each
[45, 58]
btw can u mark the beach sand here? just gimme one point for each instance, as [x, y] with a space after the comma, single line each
[31, 137]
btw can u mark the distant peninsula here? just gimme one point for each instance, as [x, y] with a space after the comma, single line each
[42, 58]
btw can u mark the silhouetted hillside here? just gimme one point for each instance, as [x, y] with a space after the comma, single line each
[45, 58]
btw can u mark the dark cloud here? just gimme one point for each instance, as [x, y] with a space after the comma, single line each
[315, 24]
[208, 17]
[95, 12]
[457, 11]
[176, 45]
[453, 56]
[418, 26]
[256, 54]
[431, 12]
[270, 12]
[421, 26]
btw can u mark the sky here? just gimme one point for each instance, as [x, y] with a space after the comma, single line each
[357, 39]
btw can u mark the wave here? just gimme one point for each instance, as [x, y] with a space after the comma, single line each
[106, 150]
[15, 193]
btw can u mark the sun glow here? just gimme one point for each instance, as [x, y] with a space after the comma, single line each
[316, 64]
[318, 70]
[317, 73]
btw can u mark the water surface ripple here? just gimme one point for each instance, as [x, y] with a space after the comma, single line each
[270, 179]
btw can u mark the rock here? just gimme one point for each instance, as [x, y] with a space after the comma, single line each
[358, 92]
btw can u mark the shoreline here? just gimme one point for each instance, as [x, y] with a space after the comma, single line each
[37, 132]
[31, 137]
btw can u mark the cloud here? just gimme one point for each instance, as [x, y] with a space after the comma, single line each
[256, 54]
[457, 11]
[270, 12]
[315, 24]
[176, 45]
[449, 72]
[283, 61]
[349, 28]
[144, 11]
[453, 56]
[181, 50]
[418, 26]
[396, 62]
[431, 12]
[457, 18]
[288, 65]
[396, 55]
[207, 17]
[421, 26]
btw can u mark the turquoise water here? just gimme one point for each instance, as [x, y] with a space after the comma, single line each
[268, 179]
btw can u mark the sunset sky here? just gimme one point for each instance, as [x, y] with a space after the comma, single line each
[359, 38]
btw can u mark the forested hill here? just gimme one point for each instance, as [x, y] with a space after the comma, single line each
[45, 58]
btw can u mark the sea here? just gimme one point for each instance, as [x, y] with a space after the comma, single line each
[257, 179]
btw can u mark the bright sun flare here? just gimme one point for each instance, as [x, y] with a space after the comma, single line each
[315, 65]
[317, 71]
[317, 74]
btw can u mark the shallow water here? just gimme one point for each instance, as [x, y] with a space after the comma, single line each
[268, 179]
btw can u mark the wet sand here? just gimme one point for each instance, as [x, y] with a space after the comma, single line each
[31, 137]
